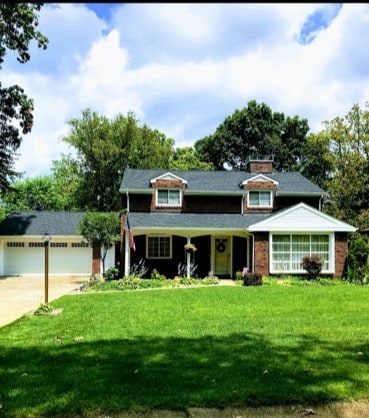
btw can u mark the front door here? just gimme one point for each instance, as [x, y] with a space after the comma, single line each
[222, 255]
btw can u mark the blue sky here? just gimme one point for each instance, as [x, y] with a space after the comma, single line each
[182, 68]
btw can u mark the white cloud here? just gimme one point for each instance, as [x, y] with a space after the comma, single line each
[182, 68]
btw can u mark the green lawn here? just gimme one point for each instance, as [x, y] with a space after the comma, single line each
[211, 346]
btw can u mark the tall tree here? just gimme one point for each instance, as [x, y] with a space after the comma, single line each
[104, 148]
[186, 158]
[348, 184]
[67, 175]
[18, 27]
[316, 161]
[255, 129]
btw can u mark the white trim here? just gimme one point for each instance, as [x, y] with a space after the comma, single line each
[260, 206]
[260, 177]
[301, 218]
[331, 237]
[159, 236]
[176, 205]
[168, 176]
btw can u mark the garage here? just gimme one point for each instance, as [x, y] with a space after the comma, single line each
[22, 250]
[28, 257]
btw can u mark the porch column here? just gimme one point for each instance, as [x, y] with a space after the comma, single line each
[188, 259]
[127, 253]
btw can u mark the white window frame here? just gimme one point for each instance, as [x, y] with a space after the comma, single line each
[250, 205]
[168, 190]
[328, 266]
[159, 238]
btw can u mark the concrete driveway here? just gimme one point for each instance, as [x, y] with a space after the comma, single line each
[20, 295]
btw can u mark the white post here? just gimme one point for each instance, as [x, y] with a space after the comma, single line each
[188, 255]
[126, 254]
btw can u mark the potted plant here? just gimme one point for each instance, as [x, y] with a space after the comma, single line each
[190, 248]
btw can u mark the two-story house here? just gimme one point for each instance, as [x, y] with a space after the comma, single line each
[260, 219]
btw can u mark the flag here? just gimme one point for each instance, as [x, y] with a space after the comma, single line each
[130, 235]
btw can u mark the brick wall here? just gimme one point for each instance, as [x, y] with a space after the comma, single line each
[258, 185]
[260, 166]
[340, 252]
[261, 253]
[96, 260]
[166, 184]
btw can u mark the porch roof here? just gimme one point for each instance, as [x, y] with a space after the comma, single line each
[192, 221]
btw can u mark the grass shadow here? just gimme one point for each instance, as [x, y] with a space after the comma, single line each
[246, 369]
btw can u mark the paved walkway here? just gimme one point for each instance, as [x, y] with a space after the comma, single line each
[20, 295]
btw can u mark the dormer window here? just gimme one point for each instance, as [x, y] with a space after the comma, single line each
[168, 197]
[260, 199]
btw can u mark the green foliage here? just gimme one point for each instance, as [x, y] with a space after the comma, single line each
[213, 347]
[67, 174]
[44, 308]
[105, 147]
[139, 269]
[313, 265]
[38, 193]
[358, 259]
[348, 184]
[101, 230]
[155, 275]
[255, 129]
[18, 27]
[316, 161]
[111, 273]
[301, 281]
[210, 280]
[187, 158]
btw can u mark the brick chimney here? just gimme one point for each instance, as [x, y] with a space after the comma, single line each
[260, 163]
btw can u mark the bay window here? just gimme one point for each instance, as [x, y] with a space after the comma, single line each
[287, 251]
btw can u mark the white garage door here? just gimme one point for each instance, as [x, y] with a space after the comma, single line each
[64, 258]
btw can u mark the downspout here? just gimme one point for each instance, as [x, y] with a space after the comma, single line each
[242, 202]
[321, 203]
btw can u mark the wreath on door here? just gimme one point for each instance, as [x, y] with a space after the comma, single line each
[221, 247]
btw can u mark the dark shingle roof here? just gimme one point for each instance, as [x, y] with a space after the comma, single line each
[218, 181]
[37, 223]
[193, 220]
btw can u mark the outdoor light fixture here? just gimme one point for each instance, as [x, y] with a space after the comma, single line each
[46, 239]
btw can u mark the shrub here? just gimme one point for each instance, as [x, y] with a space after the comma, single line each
[129, 283]
[358, 267]
[96, 278]
[188, 281]
[155, 275]
[139, 269]
[313, 265]
[210, 280]
[111, 273]
[44, 308]
[252, 279]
